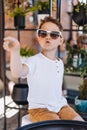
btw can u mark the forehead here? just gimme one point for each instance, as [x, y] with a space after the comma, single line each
[50, 26]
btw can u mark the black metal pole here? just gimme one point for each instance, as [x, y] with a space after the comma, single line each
[19, 124]
[2, 56]
[50, 7]
[18, 3]
[34, 2]
[58, 16]
[70, 33]
[58, 13]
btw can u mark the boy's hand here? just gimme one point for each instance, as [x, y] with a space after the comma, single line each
[11, 43]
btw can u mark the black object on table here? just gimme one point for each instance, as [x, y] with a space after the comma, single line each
[19, 96]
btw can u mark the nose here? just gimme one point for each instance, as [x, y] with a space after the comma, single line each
[48, 36]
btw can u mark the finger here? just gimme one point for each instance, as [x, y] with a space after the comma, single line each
[5, 43]
[6, 47]
[11, 39]
[8, 43]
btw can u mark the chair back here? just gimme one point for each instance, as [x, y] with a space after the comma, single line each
[56, 125]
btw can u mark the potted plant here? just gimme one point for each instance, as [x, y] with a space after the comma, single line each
[19, 17]
[81, 99]
[18, 11]
[79, 14]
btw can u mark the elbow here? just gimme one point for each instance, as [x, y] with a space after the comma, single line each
[19, 72]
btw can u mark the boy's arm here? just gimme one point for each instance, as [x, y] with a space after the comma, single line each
[17, 68]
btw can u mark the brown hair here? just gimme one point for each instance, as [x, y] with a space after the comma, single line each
[51, 19]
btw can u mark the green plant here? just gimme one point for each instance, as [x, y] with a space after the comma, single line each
[21, 10]
[81, 4]
[81, 61]
[41, 5]
[27, 52]
[12, 8]
[83, 90]
[79, 14]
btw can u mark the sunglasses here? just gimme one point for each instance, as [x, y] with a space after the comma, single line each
[53, 34]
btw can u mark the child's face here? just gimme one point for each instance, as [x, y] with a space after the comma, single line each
[49, 42]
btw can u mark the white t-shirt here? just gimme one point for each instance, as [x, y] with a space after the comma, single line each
[45, 83]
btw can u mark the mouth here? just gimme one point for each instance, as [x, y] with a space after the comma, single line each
[48, 42]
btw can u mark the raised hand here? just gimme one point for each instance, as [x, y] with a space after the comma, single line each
[11, 43]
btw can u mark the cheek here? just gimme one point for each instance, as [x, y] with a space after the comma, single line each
[40, 39]
[37, 38]
[57, 42]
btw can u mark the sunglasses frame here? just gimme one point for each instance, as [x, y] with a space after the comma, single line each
[49, 32]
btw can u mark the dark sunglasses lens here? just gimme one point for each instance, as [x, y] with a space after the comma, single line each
[42, 33]
[54, 35]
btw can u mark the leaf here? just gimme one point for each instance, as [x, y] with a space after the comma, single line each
[27, 52]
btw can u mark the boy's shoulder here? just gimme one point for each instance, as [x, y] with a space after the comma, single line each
[36, 56]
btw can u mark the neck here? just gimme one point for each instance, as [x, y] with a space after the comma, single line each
[51, 55]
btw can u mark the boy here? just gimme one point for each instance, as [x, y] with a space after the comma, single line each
[44, 73]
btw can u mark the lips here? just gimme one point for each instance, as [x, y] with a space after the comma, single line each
[48, 42]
